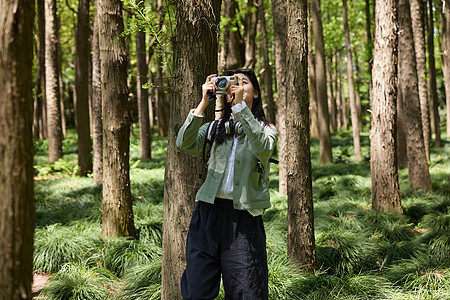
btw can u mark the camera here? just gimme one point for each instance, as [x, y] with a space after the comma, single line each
[223, 83]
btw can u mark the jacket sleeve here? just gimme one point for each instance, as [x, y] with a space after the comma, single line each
[191, 136]
[262, 139]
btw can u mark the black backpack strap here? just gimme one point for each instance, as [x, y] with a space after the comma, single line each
[209, 140]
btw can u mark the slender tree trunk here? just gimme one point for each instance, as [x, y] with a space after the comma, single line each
[161, 96]
[351, 87]
[250, 24]
[16, 147]
[358, 93]
[195, 57]
[401, 130]
[300, 232]
[38, 126]
[419, 176]
[117, 210]
[326, 155]
[271, 108]
[280, 27]
[417, 18]
[97, 128]
[52, 83]
[369, 46]
[344, 108]
[337, 85]
[331, 98]
[230, 53]
[383, 156]
[432, 79]
[142, 96]
[445, 56]
[82, 89]
[312, 81]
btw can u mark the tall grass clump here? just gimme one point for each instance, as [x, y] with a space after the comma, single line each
[142, 282]
[56, 245]
[78, 282]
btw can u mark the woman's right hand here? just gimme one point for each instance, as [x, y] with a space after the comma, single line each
[208, 86]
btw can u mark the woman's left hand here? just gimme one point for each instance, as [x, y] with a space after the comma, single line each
[236, 92]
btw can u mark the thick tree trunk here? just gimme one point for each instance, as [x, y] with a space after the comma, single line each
[250, 24]
[280, 28]
[419, 176]
[97, 127]
[351, 87]
[331, 98]
[417, 18]
[195, 57]
[369, 46]
[300, 232]
[16, 147]
[271, 108]
[383, 156]
[142, 96]
[326, 155]
[39, 100]
[52, 83]
[314, 122]
[117, 210]
[82, 89]
[432, 79]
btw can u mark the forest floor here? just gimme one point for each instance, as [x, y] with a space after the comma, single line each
[361, 254]
[39, 282]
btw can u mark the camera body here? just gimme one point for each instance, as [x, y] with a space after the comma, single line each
[223, 83]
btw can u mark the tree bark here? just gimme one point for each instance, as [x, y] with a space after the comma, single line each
[326, 155]
[142, 96]
[280, 28]
[383, 157]
[419, 176]
[369, 46]
[161, 96]
[39, 101]
[250, 24]
[271, 108]
[445, 57]
[97, 127]
[402, 156]
[417, 18]
[82, 89]
[52, 83]
[300, 232]
[117, 210]
[195, 57]
[331, 98]
[351, 87]
[358, 93]
[16, 147]
[432, 79]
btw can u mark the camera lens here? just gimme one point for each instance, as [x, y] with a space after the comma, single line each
[222, 83]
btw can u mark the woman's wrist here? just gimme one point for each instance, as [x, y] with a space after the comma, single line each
[201, 108]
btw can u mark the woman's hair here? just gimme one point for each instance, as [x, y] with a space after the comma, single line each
[257, 107]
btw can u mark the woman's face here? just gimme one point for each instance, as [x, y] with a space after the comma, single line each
[250, 92]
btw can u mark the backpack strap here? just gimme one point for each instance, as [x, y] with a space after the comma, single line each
[209, 140]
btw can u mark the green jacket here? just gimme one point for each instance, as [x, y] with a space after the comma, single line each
[255, 146]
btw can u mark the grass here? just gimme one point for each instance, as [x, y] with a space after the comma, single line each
[361, 254]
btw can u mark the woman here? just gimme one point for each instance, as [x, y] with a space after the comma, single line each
[226, 234]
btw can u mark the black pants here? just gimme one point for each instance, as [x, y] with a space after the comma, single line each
[223, 240]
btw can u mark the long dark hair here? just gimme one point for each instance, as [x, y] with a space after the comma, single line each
[257, 107]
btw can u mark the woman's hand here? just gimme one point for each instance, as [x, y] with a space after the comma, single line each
[208, 86]
[236, 92]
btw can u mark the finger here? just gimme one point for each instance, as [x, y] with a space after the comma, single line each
[208, 79]
[240, 80]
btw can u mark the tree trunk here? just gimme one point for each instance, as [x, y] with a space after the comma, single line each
[383, 156]
[231, 50]
[142, 96]
[161, 96]
[82, 89]
[402, 156]
[117, 210]
[338, 87]
[312, 81]
[250, 24]
[326, 155]
[358, 94]
[300, 231]
[97, 128]
[195, 57]
[52, 83]
[38, 126]
[445, 56]
[351, 87]
[271, 108]
[369, 47]
[417, 18]
[280, 28]
[331, 98]
[16, 147]
[432, 79]
[419, 176]
[344, 107]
